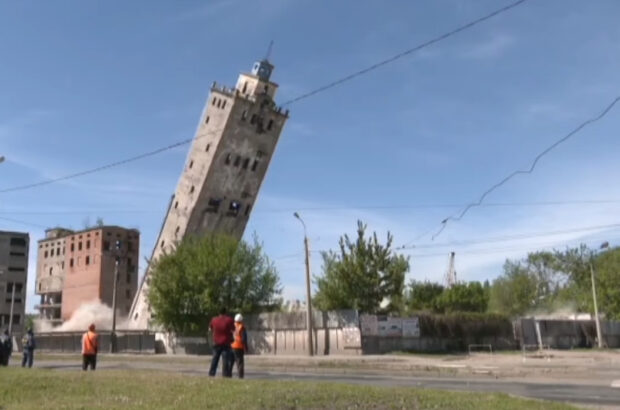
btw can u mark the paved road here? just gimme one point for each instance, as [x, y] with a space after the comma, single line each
[572, 393]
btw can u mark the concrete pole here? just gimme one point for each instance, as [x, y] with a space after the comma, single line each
[113, 334]
[599, 335]
[11, 314]
[308, 288]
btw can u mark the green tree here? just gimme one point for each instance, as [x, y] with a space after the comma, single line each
[423, 295]
[462, 297]
[202, 275]
[362, 275]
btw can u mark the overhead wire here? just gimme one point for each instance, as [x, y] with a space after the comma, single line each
[294, 100]
[529, 170]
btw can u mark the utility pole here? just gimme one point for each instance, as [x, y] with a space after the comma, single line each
[116, 263]
[599, 334]
[11, 314]
[308, 289]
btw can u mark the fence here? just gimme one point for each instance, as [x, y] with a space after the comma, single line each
[565, 334]
[71, 342]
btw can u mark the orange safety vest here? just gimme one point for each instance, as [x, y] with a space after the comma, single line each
[90, 343]
[238, 337]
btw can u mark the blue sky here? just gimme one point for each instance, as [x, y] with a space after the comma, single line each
[87, 83]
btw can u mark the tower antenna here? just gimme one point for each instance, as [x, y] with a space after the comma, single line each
[269, 50]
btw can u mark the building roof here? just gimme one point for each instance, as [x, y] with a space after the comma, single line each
[70, 232]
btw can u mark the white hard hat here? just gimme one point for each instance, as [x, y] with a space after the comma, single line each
[238, 317]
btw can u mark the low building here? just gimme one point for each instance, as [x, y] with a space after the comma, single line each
[74, 268]
[13, 279]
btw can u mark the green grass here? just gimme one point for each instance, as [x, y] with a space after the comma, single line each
[40, 388]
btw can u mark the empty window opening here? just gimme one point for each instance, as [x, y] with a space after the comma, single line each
[253, 119]
[52, 252]
[191, 190]
[213, 101]
[106, 245]
[51, 270]
[163, 243]
[176, 231]
[259, 154]
[58, 251]
[79, 246]
[246, 162]
[87, 244]
[176, 204]
[254, 165]
[207, 120]
[39, 286]
[207, 147]
[213, 205]
[245, 87]
[128, 278]
[219, 103]
[233, 209]
[88, 260]
[237, 161]
[191, 164]
[71, 262]
[72, 247]
[128, 293]
[244, 115]
[45, 254]
[266, 88]
[269, 125]
[247, 209]
[224, 104]
[227, 160]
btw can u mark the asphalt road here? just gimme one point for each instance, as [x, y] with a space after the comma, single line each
[597, 395]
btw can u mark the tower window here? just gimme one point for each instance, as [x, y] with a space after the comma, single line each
[176, 204]
[259, 154]
[244, 115]
[254, 165]
[71, 262]
[227, 160]
[246, 162]
[237, 161]
[223, 104]
[233, 209]
[207, 120]
[191, 190]
[207, 147]
[219, 103]
[88, 260]
[245, 87]
[176, 231]
[191, 164]
[45, 254]
[269, 125]
[88, 244]
[213, 205]
[247, 209]
[52, 252]
[253, 119]
[79, 246]
[72, 247]
[214, 101]
[51, 270]
[163, 243]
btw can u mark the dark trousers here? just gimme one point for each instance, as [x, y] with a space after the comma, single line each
[89, 360]
[239, 353]
[28, 357]
[224, 351]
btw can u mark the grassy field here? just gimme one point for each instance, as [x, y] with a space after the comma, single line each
[38, 388]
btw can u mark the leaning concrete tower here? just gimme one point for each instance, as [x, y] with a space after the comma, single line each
[234, 143]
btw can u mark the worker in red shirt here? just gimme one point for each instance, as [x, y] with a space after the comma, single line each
[222, 327]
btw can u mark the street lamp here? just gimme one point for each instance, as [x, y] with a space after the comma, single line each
[599, 334]
[308, 292]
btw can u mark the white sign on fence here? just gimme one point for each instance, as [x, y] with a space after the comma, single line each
[390, 326]
[369, 326]
[411, 327]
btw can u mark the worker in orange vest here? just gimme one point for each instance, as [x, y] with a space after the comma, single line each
[240, 344]
[90, 346]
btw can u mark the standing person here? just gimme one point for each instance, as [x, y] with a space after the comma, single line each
[222, 327]
[239, 344]
[28, 348]
[6, 348]
[90, 347]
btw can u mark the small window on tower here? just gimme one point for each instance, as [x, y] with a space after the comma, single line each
[224, 104]
[233, 209]
[207, 147]
[244, 115]
[176, 231]
[163, 243]
[269, 125]
[219, 103]
[191, 190]
[88, 260]
[214, 101]
[246, 162]
[245, 87]
[247, 209]
[253, 119]
[71, 262]
[237, 161]
[191, 164]
[176, 204]
[207, 120]
[227, 160]
[254, 165]
[214, 205]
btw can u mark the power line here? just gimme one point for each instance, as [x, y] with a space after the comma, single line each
[17, 221]
[530, 169]
[328, 208]
[404, 53]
